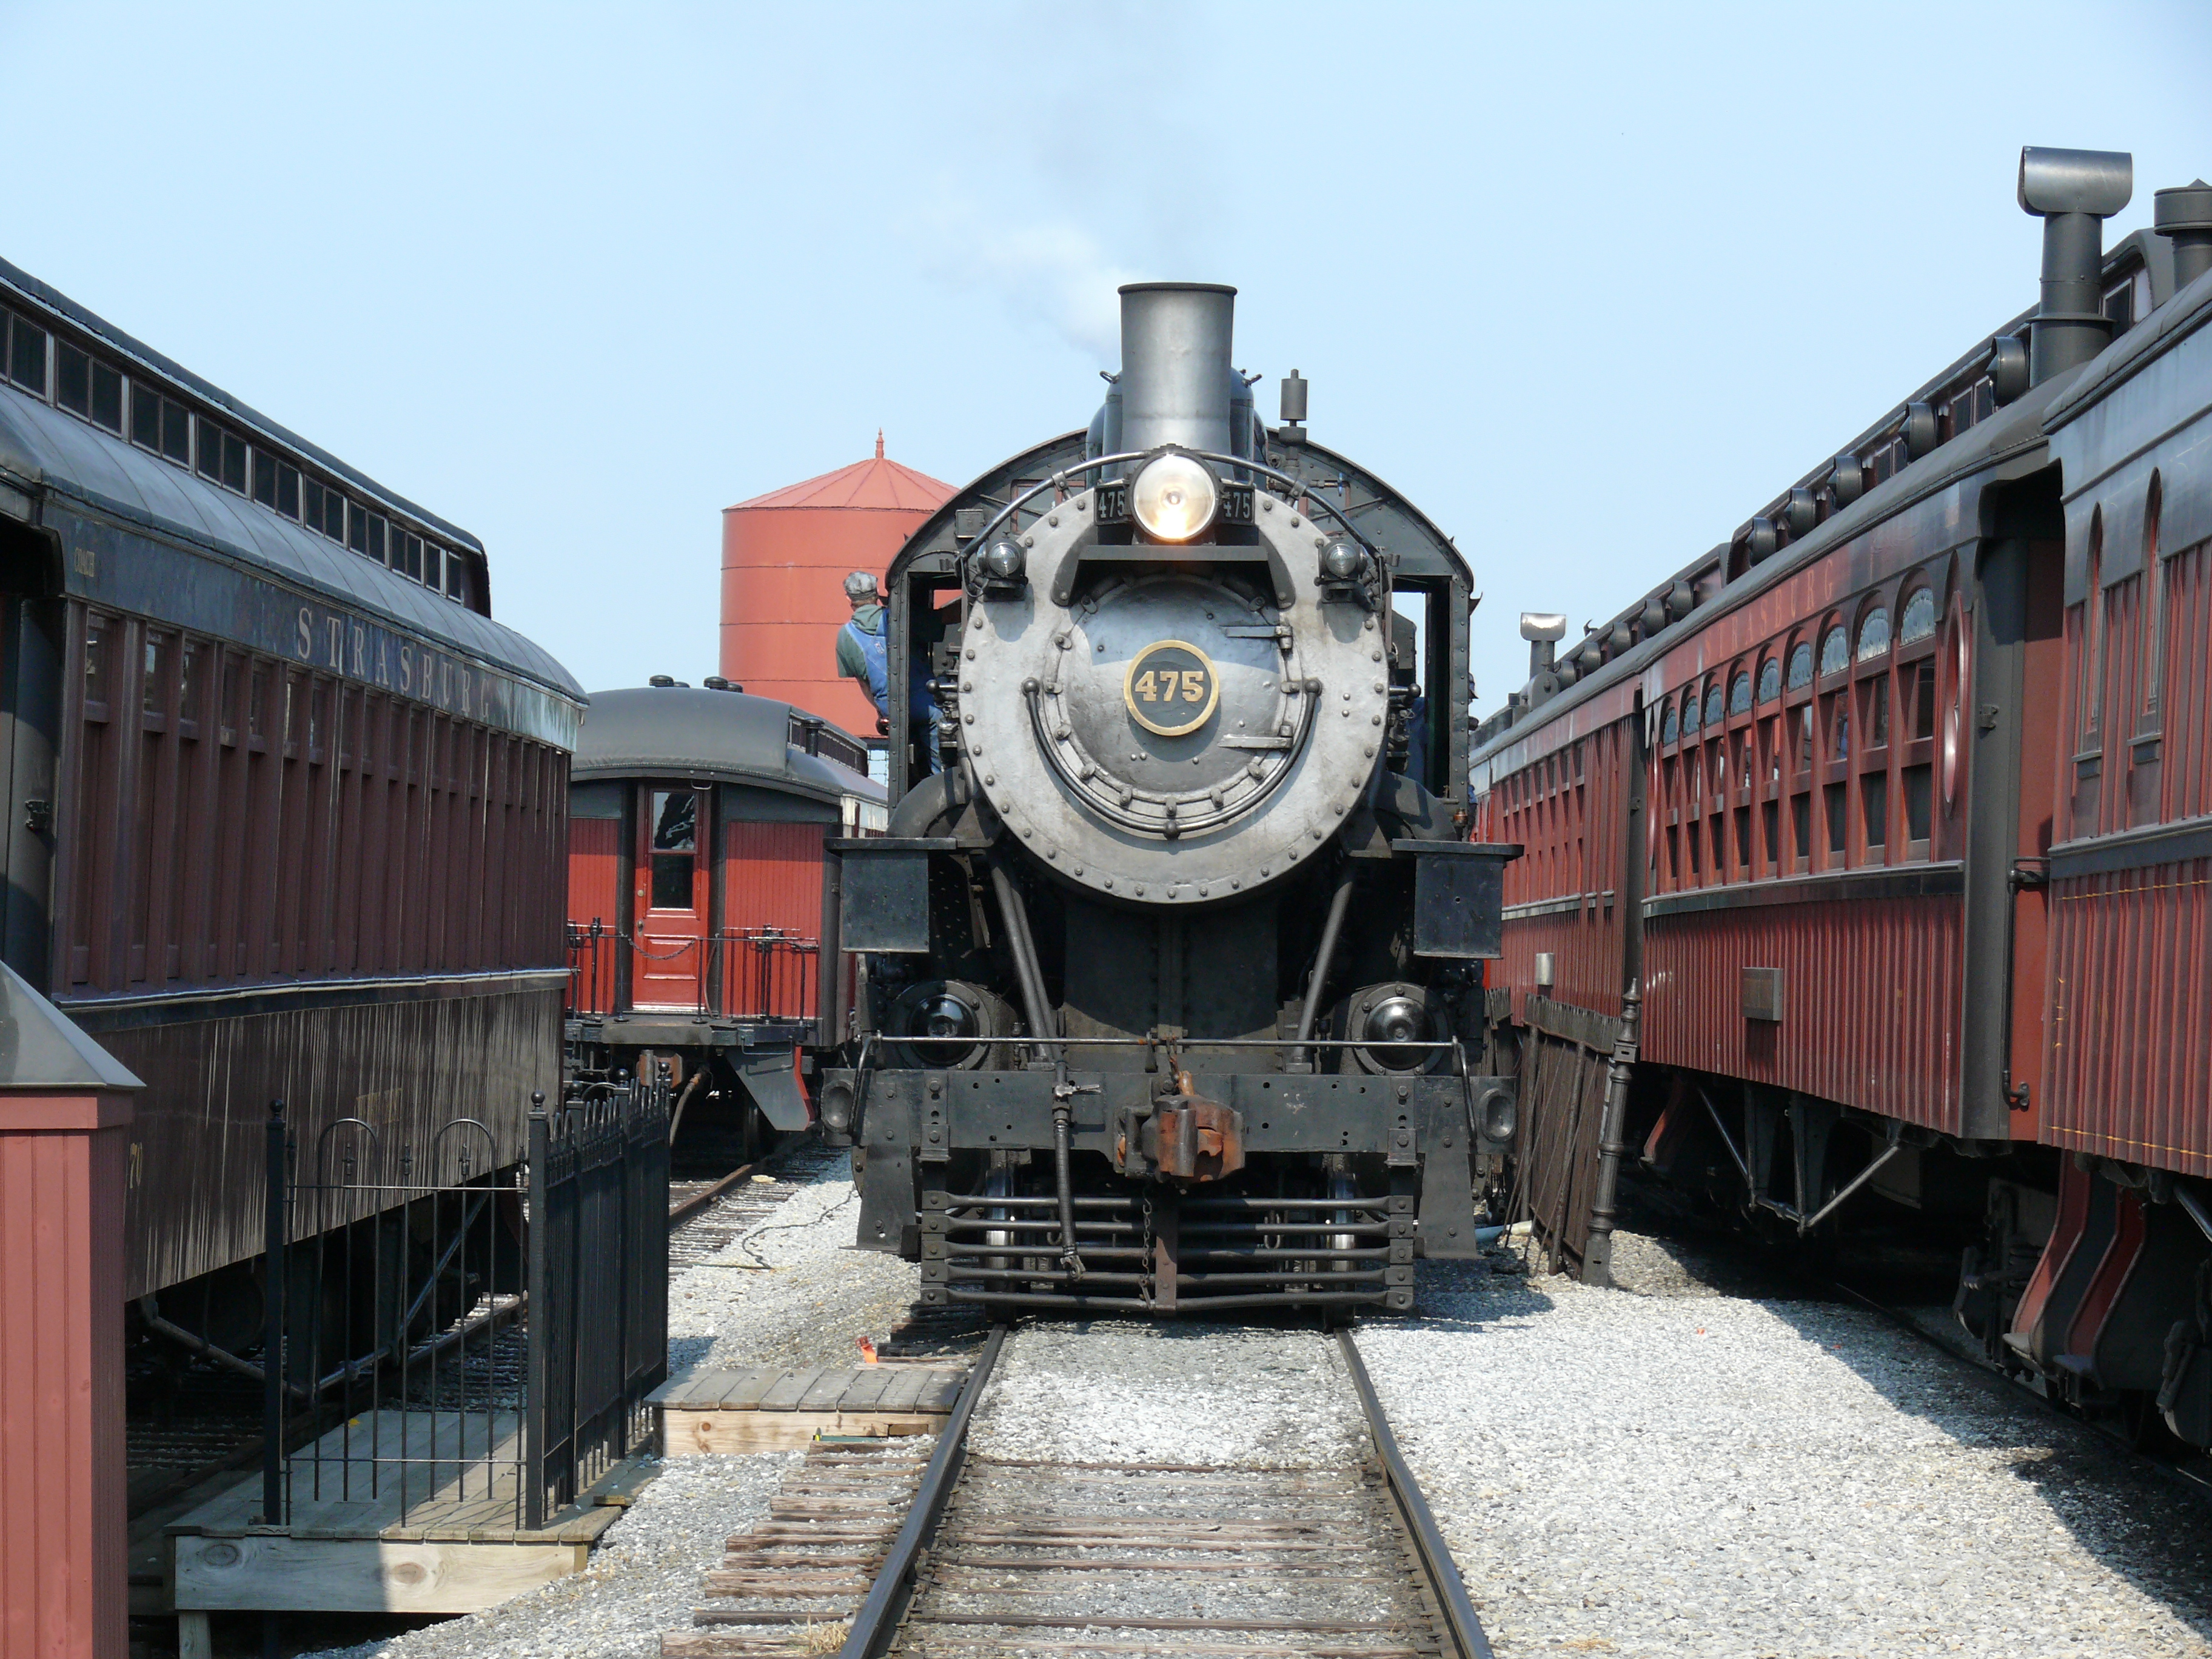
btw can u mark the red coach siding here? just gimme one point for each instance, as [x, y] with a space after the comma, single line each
[1871, 1000]
[773, 874]
[2130, 1023]
[1570, 813]
[594, 894]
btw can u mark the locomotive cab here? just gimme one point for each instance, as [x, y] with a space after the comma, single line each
[1173, 959]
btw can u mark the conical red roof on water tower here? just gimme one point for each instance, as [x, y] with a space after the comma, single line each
[785, 557]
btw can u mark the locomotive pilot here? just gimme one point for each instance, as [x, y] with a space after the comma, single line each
[863, 655]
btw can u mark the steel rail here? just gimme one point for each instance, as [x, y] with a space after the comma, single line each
[878, 1620]
[1435, 1556]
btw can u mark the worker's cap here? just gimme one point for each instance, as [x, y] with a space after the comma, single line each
[859, 585]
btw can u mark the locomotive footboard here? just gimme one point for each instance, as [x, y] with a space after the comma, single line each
[1301, 1190]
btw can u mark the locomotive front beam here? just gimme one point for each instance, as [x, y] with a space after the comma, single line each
[904, 1125]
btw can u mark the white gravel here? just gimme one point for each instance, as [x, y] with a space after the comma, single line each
[813, 1299]
[1690, 1466]
[1674, 1469]
[1230, 1396]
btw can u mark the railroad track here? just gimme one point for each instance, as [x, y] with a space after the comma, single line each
[878, 1551]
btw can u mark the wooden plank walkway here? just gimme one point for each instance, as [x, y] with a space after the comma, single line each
[770, 1408]
[368, 1534]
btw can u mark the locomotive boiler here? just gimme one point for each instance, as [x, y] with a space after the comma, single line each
[1175, 945]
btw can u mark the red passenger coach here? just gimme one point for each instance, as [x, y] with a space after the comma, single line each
[1896, 813]
[702, 904]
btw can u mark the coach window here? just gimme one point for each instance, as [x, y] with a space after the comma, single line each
[1916, 655]
[85, 385]
[223, 456]
[26, 354]
[2154, 600]
[190, 670]
[357, 530]
[376, 537]
[1670, 722]
[433, 566]
[157, 646]
[1874, 757]
[2090, 645]
[675, 847]
[2086, 624]
[1796, 738]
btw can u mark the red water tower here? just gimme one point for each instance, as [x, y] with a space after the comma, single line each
[785, 556]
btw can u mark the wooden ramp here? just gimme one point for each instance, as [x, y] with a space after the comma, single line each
[764, 1408]
[438, 1533]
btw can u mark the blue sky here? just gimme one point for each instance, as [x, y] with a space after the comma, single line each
[1589, 282]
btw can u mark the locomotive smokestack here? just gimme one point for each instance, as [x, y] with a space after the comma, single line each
[2073, 191]
[1175, 379]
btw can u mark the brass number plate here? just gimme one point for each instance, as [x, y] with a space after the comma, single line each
[1171, 688]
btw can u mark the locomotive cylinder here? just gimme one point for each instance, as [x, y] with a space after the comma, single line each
[1175, 380]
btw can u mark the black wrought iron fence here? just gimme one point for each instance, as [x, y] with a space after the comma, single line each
[598, 1283]
[394, 1292]
[480, 1341]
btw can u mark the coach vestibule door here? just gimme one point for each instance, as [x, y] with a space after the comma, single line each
[669, 968]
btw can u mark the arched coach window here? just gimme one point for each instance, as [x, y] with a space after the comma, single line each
[1918, 620]
[1740, 692]
[2092, 638]
[1874, 634]
[1670, 725]
[2154, 603]
[1690, 711]
[1836, 650]
[1713, 703]
[1800, 666]
[1769, 679]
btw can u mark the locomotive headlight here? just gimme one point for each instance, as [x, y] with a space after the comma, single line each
[1174, 499]
[1004, 561]
[1343, 562]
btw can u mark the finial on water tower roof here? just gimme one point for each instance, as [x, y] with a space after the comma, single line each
[879, 443]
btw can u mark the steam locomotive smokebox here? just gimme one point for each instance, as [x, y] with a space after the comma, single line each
[1459, 896]
[885, 892]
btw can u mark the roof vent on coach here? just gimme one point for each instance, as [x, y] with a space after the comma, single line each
[2183, 215]
[664, 679]
[2074, 191]
[1543, 629]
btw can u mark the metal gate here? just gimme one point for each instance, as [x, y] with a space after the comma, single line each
[598, 1283]
[481, 1338]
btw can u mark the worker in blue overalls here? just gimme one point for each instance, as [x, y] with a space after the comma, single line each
[863, 655]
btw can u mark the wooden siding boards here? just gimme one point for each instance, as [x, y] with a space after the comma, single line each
[61, 1478]
[2130, 1028]
[301, 838]
[405, 1068]
[2128, 1015]
[1872, 994]
[772, 875]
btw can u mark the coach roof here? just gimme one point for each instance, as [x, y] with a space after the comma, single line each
[722, 737]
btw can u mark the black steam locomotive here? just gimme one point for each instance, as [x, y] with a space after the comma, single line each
[1175, 945]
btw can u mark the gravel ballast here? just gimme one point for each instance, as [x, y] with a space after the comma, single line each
[1691, 1465]
[1675, 1469]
